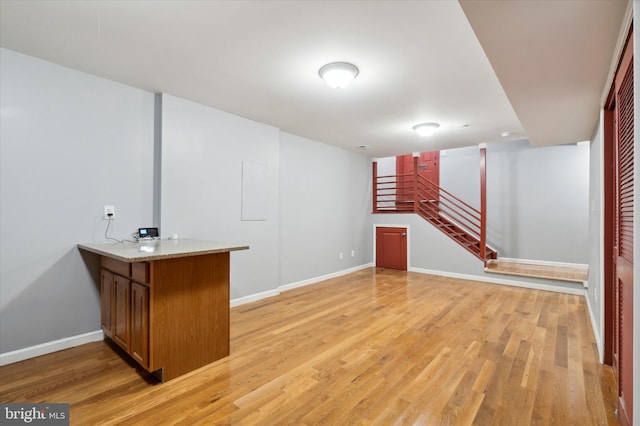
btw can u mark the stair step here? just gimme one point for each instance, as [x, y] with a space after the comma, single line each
[561, 273]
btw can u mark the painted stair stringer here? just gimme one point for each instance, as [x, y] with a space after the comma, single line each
[457, 233]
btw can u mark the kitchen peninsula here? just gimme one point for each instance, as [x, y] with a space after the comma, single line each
[166, 302]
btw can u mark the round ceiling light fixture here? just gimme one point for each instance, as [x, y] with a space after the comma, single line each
[426, 129]
[338, 74]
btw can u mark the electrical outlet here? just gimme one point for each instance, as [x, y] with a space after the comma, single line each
[109, 212]
[353, 253]
[341, 255]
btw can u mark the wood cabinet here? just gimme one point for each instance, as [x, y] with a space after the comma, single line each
[121, 311]
[125, 308]
[166, 304]
[106, 297]
[139, 343]
[171, 315]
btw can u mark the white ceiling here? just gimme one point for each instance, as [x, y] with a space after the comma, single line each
[535, 68]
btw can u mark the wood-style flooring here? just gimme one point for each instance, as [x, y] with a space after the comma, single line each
[561, 273]
[377, 347]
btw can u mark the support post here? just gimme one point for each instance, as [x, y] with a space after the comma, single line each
[416, 157]
[483, 202]
[375, 186]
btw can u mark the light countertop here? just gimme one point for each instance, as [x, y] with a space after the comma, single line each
[158, 249]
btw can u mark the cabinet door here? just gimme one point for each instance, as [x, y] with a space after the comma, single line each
[121, 311]
[106, 296]
[139, 347]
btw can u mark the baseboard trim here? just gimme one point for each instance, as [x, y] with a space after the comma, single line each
[270, 293]
[309, 281]
[50, 347]
[512, 283]
[254, 297]
[596, 331]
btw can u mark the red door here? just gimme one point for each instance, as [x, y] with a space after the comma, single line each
[428, 167]
[391, 248]
[623, 236]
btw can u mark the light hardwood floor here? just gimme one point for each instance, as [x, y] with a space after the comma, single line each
[374, 347]
[562, 273]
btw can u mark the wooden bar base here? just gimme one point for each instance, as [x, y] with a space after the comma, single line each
[188, 313]
[169, 312]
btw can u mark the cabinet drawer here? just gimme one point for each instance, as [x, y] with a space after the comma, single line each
[120, 268]
[140, 272]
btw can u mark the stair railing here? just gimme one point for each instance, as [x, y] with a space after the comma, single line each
[435, 201]
[393, 193]
[443, 209]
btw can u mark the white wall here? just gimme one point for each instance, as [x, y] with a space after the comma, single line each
[386, 166]
[596, 261]
[69, 144]
[203, 150]
[460, 173]
[325, 209]
[537, 198]
[318, 197]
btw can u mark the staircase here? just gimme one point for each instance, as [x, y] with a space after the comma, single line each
[432, 213]
[413, 193]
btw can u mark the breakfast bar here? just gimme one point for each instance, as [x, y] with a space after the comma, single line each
[166, 302]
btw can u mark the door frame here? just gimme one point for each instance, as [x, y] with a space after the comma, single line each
[608, 273]
[393, 225]
[607, 224]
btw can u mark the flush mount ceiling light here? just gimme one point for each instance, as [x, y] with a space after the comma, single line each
[426, 129]
[511, 134]
[338, 74]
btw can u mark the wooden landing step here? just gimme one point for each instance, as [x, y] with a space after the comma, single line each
[560, 273]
